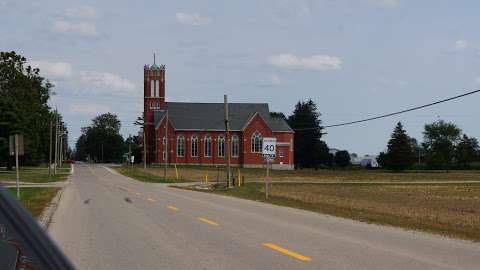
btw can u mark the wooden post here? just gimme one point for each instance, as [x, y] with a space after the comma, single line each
[266, 179]
[227, 141]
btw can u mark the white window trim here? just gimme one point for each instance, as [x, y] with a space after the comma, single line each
[205, 146]
[220, 139]
[183, 145]
[235, 140]
[194, 139]
[251, 142]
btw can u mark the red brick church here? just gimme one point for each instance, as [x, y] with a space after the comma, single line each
[196, 131]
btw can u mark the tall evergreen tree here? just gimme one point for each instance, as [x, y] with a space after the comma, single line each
[400, 153]
[309, 149]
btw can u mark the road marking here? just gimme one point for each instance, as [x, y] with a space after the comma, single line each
[208, 221]
[287, 252]
[151, 200]
[138, 193]
[171, 207]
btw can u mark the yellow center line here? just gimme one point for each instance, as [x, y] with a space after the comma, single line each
[151, 200]
[171, 207]
[287, 252]
[208, 221]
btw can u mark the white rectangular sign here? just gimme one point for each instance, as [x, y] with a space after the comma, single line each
[269, 146]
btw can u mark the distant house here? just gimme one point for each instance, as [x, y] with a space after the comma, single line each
[369, 162]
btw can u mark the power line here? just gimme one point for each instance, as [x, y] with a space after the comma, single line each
[395, 113]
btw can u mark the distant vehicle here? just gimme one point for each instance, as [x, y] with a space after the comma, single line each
[69, 161]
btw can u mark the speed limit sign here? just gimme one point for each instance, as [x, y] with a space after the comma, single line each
[269, 146]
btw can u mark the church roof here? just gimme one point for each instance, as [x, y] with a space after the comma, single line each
[210, 116]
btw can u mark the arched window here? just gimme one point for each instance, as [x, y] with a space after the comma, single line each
[235, 146]
[256, 142]
[180, 146]
[152, 88]
[157, 88]
[194, 148]
[221, 146]
[208, 146]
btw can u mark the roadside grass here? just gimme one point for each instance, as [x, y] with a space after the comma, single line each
[35, 199]
[144, 176]
[35, 175]
[446, 209]
[197, 173]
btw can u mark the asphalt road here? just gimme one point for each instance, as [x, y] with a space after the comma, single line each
[108, 221]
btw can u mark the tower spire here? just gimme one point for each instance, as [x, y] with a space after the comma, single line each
[154, 58]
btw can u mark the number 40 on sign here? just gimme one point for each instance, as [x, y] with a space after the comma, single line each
[269, 146]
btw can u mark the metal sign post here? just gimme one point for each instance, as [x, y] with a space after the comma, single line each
[16, 148]
[269, 151]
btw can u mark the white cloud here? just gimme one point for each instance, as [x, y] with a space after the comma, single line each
[89, 109]
[315, 62]
[83, 12]
[387, 3]
[53, 69]
[107, 80]
[83, 28]
[192, 19]
[461, 45]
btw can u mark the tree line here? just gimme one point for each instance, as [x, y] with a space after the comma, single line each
[24, 109]
[101, 141]
[443, 147]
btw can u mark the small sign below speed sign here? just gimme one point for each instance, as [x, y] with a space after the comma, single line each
[269, 146]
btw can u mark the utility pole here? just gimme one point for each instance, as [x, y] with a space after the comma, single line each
[144, 146]
[166, 147]
[17, 166]
[60, 147]
[50, 151]
[56, 143]
[227, 140]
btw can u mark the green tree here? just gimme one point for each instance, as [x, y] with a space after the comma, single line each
[466, 151]
[23, 105]
[101, 141]
[342, 158]
[400, 153]
[439, 143]
[382, 160]
[310, 151]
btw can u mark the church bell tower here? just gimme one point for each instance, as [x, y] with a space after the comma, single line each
[153, 100]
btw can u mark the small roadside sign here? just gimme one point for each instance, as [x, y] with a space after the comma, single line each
[19, 138]
[269, 150]
[132, 159]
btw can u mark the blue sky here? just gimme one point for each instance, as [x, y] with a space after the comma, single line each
[355, 59]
